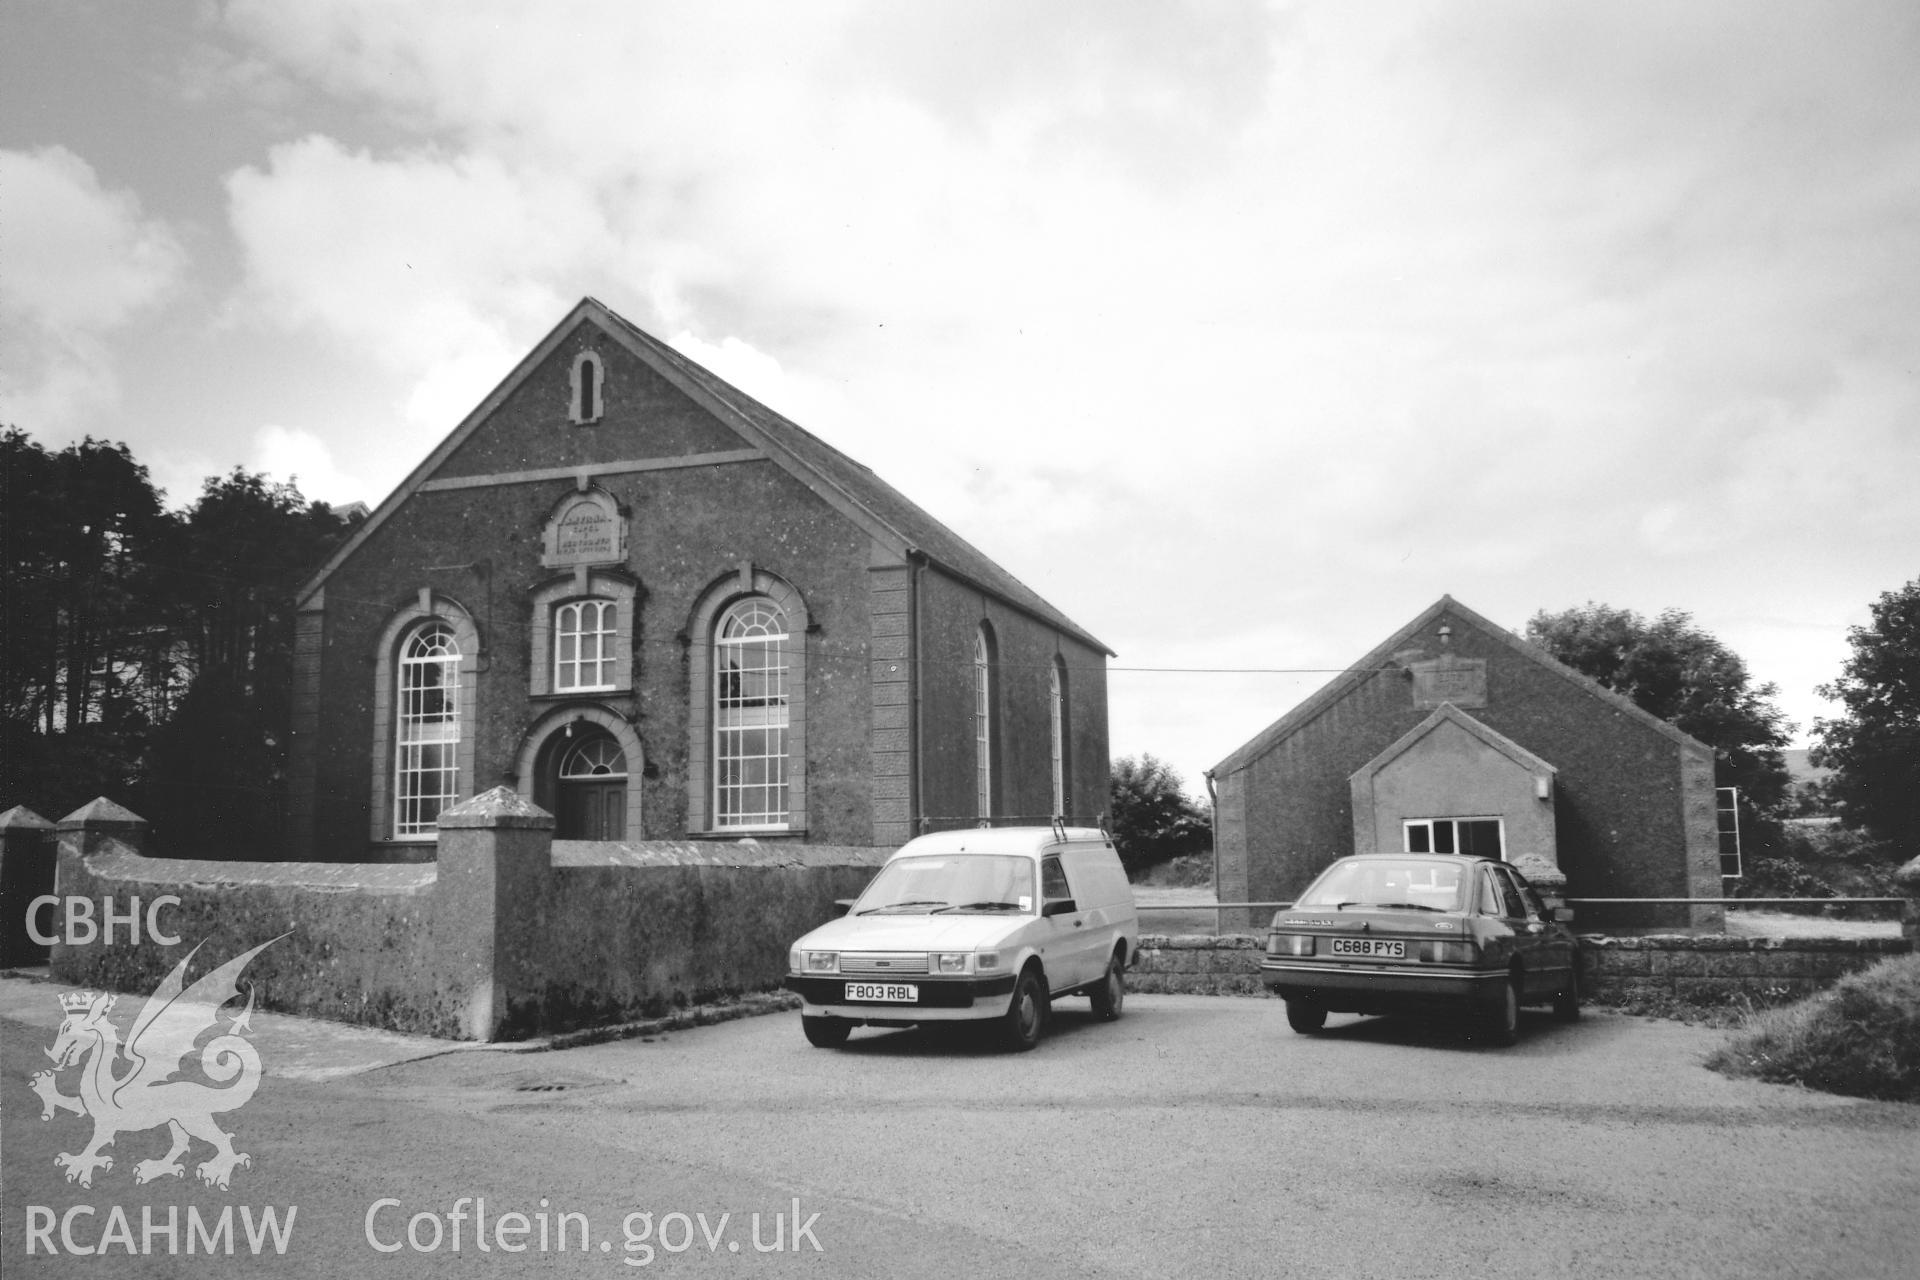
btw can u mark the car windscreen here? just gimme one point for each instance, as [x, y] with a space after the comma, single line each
[1415, 884]
[940, 883]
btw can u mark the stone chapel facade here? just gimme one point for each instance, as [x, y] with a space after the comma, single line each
[660, 610]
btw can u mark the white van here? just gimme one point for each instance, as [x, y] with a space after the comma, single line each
[984, 925]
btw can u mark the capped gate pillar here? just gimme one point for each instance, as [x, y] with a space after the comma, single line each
[495, 861]
[26, 872]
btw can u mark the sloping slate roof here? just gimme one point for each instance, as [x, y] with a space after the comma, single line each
[815, 462]
[858, 483]
[1371, 666]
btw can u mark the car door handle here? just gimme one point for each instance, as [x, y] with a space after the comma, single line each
[1079, 924]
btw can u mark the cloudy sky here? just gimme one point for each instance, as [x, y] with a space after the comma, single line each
[1241, 332]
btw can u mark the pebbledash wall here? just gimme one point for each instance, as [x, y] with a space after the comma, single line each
[510, 934]
[1698, 969]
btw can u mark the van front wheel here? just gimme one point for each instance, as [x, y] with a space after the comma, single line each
[1026, 1014]
[1110, 993]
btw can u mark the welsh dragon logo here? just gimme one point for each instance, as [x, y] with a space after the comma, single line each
[130, 1087]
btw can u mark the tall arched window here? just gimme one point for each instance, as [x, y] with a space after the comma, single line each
[1057, 715]
[750, 715]
[426, 756]
[585, 402]
[983, 723]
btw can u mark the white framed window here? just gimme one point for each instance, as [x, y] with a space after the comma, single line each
[1057, 718]
[426, 775]
[584, 632]
[750, 716]
[983, 723]
[1481, 837]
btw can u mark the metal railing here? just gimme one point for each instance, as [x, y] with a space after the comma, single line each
[1217, 907]
[1733, 902]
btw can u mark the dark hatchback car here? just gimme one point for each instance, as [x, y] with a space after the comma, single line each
[1422, 933]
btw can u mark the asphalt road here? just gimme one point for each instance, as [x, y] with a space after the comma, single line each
[1194, 1137]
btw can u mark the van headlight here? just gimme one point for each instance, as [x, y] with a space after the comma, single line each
[816, 961]
[948, 961]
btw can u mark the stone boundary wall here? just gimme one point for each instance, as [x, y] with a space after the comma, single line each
[1198, 964]
[508, 934]
[1715, 969]
[1703, 969]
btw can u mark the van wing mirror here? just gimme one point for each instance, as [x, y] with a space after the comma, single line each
[1560, 915]
[1059, 907]
[843, 905]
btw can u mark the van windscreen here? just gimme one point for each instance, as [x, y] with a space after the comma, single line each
[936, 883]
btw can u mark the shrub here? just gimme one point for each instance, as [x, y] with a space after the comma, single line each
[1781, 878]
[1186, 871]
[1861, 1038]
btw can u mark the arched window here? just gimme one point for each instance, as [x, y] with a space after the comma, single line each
[1057, 716]
[426, 756]
[983, 723]
[587, 383]
[583, 645]
[750, 715]
[596, 757]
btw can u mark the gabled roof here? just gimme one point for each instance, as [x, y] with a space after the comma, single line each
[881, 510]
[1381, 659]
[1447, 713]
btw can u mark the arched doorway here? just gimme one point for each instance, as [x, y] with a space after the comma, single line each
[590, 786]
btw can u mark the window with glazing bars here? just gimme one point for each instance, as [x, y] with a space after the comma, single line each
[427, 730]
[583, 634]
[750, 716]
[982, 726]
[1057, 704]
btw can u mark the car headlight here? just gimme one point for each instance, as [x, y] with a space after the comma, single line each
[819, 962]
[1447, 952]
[948, 962]
[1289, 944]
[987, 960]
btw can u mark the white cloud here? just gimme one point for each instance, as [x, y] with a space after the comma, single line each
[289, 454]
[1317, 305]
[81, 262]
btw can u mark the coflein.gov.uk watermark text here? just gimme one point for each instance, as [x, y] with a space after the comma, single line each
[467, 1226]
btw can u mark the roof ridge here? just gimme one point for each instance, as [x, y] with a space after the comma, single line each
[1372, 665]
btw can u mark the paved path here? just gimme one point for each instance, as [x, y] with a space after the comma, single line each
[303, 1048]
[1195, 1137]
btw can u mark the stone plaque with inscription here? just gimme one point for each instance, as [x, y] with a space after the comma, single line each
[1461, 681]
[587, 529]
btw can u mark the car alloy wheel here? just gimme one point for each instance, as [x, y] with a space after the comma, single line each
[1503, 1024]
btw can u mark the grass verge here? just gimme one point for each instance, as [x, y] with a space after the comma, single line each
[1860, 1038]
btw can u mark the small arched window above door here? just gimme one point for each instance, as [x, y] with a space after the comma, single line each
[596, 757]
